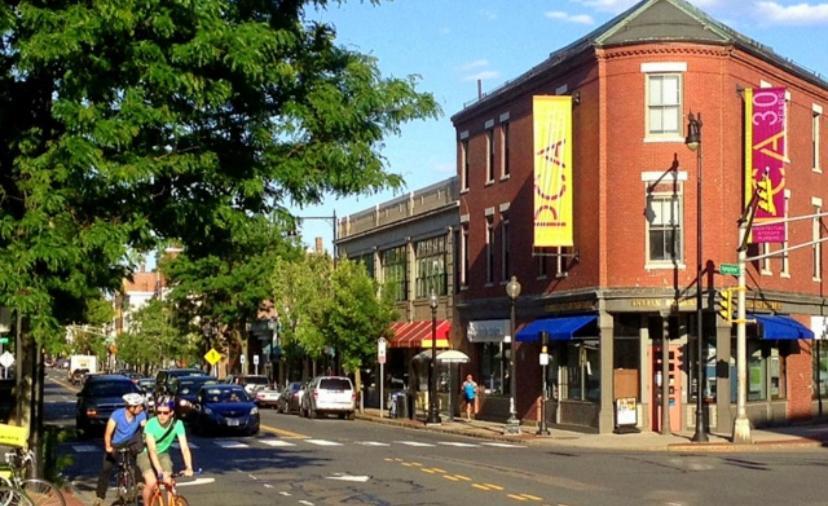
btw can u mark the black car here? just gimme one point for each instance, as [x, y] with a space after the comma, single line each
[186, 393]
[226, 408]
[100, 396]
[164, 379]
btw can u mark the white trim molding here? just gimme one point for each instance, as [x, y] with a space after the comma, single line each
[489, 124]
[504, 207]
[816, 109]
[650, 176]
[489, 211]
[560, 90]
[504, 117]
[663, 66]
[464, 135]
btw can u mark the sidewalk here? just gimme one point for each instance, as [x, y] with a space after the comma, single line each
[791, 438]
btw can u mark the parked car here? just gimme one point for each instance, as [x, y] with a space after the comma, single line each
[186, 393]
[268, 396]
[164, 379]
[100, 396]
[223, 408]
[253, 383]
[78, 376]
[329, 395]
[290, 398]
[147, 385]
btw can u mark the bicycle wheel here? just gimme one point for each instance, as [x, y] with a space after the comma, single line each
[42, 493]
[127, 489]
[13, 497]
[180, 501]
[157, 499]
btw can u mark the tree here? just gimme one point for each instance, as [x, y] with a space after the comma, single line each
[356, 316]
[135, 121]
[153, 339]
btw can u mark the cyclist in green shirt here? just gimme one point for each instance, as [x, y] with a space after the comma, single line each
[159, 433]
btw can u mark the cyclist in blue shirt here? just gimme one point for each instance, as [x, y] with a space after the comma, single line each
[122, 429]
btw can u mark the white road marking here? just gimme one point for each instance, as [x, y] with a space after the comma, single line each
[372, 443]
[268, 485]
[232, 444]
[189, 443]
[348, 477]
[503, 445]
[306, 503]
[461, 445]
[85, 448]
[323, 442]
[415, 443]
[276, 442]
[197, 481]
[252, 477]
[286, 494]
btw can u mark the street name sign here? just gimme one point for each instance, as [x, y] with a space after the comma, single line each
[4, 340]
[731, 269]
[212, 356]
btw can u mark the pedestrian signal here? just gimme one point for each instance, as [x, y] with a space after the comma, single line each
[725, 303]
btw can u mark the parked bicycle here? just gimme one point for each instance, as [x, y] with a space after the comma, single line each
[20, 464]
[10, 496]
[126, 479]
[165, 494]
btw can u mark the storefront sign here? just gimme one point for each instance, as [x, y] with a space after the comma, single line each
[625, 412]
[763, 305]
[585, 305]
[487, 331]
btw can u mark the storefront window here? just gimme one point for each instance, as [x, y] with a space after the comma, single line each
[820, 355]
[756, 375]
[492, 368]
[765, 372]
[431, 267]
[583, 372]
[394, 272]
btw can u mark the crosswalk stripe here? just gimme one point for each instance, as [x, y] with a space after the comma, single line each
[323, 442]
[372, 443]
[503, 445]
[460, 445]
[276, 442]
[189, 443]
[232, 444]
[415, 443]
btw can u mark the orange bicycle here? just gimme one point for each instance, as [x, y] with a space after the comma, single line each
[165, 494]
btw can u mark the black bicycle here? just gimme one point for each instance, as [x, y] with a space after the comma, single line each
[126, 479]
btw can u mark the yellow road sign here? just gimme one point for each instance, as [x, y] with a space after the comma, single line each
[212, 356]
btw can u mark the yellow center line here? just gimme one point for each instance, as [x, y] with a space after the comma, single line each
[492, 485]
[481, 487]
[416, 464]
[450, 477]
[398, 459]
[516, 497]
[388, 460]
[461, 477]
[284, 433]
[65, 385]
[406, 464]
[427, 470]
[532, 497]
[439, 470]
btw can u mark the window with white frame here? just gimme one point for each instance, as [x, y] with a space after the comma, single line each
[490, 250]
[765, 262]
[785, 258]
[431, 266]
[816, 118]
[816, 235]
[464, 164]
[665, 236]
[395, 272]
[664, 93]
[504, 148]
[505, 267]
[464, 255]
[561, 263]
[490, 157]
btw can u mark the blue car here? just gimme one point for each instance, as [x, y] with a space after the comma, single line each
[224, 409]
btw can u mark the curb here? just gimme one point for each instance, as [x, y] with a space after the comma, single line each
[784, 444]
[491, 437]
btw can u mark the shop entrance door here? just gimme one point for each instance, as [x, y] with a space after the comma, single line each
[674, 382]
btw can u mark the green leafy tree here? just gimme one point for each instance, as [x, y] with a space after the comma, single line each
[135, 121]
[153, 339]
[356, 316]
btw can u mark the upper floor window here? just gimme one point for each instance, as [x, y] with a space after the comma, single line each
[664, 228]
[505, 267]
[368, 261]
[816, 118]
[464, 164]
[785, 258]
[664, 105]
[490, 250]
[504, 148]
[464, 255]
[395, 272]
[431, 266]
[816, 236]
[562, 261]
[490, 155]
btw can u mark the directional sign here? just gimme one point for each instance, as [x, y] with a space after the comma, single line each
[382, 344]
[212, 356]
[6, 359]
[242, 359]
[731, 269]
[256, 359]
[4, 340]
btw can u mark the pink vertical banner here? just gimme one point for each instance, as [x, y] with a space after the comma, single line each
[766, 166]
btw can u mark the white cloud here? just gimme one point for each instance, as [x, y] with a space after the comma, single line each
[799, 14]
[474, 64]
[616, 6]
[581, 19]
[483, 75]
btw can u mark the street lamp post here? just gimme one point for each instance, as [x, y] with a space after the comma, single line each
[694, 142]
[433, 417]
[512, 424]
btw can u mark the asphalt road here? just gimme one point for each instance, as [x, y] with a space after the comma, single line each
[331, 461]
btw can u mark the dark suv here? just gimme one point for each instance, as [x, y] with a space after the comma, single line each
[164, 384]
[101, 395]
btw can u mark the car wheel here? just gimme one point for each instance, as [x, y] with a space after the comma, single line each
[351, 415]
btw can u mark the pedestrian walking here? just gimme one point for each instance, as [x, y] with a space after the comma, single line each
[469, 391]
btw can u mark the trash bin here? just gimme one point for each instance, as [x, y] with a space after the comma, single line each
[399, 405]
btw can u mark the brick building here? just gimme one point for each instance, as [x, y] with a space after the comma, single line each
[630, 278]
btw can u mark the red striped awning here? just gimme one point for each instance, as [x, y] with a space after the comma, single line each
[417, 334]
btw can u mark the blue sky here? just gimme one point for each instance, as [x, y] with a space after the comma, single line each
[452, 43]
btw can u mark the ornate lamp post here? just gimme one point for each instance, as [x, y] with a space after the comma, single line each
[433, 417]
[694, 142]
[512, 424]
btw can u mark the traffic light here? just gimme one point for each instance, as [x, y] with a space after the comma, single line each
[725, 303]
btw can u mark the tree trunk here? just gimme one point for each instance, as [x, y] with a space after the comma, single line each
[358, 387]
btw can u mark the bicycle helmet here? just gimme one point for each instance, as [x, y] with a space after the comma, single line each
[165, 400]
[133, 399]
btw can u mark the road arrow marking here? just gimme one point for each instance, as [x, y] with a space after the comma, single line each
[348, 477]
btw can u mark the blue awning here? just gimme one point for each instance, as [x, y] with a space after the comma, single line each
[562, 328]
[777, 327]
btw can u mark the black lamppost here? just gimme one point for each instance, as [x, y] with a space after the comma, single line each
[694, 142]
[433, 417]
[512, 424]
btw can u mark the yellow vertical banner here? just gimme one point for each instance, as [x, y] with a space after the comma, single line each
[748, 145]
[552, 127]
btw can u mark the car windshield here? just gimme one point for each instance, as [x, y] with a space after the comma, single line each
[256, 380]
[191, 385]
[225, 395]
[110, 388]
[295, 387]
[335, 384]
